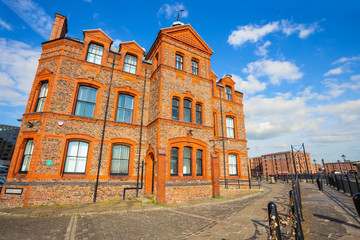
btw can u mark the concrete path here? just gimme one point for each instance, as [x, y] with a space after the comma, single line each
[328, 215]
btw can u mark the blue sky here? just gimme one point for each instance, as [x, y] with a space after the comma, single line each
[297, 62]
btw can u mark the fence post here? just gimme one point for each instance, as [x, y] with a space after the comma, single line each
[295, 211]
[319, 183]
[348, 179]
[275, 232]
[357, 183]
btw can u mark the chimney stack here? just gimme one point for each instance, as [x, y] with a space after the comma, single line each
[59, 28]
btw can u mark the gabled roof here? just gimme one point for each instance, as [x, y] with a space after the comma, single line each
[97, 34]
[185, 34]
[132, 45]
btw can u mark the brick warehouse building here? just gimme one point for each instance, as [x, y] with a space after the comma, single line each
[58, 149]
[281, 162]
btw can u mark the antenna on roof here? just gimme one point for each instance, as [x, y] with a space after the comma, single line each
[178, 14]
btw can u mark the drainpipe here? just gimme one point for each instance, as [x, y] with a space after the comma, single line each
[222, 134]
[141, 129]
[103, 130]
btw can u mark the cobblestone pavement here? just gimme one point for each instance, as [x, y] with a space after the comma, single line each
[329, 214]
[244, 217]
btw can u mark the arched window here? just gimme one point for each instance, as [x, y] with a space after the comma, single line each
[125, 108]
[175, 109]
[194, 67]
[42, 97]
[95, 53]
[174, 161]
[120, 160]
[76, 157]
[232, 165]
[179, 62]
[230, 129]
[198, 114]
[199, 162]
[187, 161]
[26, 158]
[130, 64]
[85, 104]
[187, 110]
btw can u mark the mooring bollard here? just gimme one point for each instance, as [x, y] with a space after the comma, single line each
[319, 183]
[356, 199]
[274, 224]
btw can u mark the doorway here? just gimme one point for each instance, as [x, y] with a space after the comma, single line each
[149, 174]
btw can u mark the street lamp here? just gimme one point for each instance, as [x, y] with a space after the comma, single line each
[315, 166]
[347, 169]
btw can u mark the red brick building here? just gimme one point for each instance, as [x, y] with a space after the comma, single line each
[57, 154]
[341, 167]
[281, 163]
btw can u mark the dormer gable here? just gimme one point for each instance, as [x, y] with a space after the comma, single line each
[132, 47]
[44, 73]
[187, 35]
[97, 36]
[227, 81]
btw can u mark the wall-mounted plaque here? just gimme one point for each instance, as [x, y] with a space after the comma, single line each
[16, 191]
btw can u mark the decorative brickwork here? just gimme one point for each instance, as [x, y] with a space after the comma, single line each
[66, 135]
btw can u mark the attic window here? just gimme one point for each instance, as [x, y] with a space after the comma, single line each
[130, 64]
[95, 53]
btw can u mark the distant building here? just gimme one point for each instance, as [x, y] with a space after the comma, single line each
[8, 136]
[341, 167]
[281, 163]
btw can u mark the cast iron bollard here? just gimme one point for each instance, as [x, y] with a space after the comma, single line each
[274, 224]
[319, 183]
[356, 199]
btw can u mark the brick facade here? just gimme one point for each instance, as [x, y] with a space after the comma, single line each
[66, 67]
[281, 162]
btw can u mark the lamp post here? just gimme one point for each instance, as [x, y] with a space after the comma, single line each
[347, 169]
[316, 170]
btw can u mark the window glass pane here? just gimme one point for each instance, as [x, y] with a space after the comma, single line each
[116, 152]
[175, 109]
[129, 102]
[70, 164]
[89, 110]
[124, 166]
[83, 149]
[121, 100]
[83, 93]
[80, 165]
[187, 103]
[115, 166]
[44, 90]
[174, 161]
[199, 162]
[95, 53]
[120, 115]
[40, 105]
[130, 64]
[187, 161]
[29, 147]
[128, 116]
[125, 152]
[73, 148]
[92, 95]
[232, 164]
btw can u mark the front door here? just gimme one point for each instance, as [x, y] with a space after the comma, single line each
[149, 174]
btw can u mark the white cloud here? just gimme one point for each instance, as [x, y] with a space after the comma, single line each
[18, 62]
[251, 86]
[170, 11]
[34, 15]
[5, 25]
[348, 111]
[335, 71]
[289, 27]
[275, 70]
[252, 33]
[261, 50]
[346, 59]
[337, 88]
[355, 77]
[273, 117]
[308, 94]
